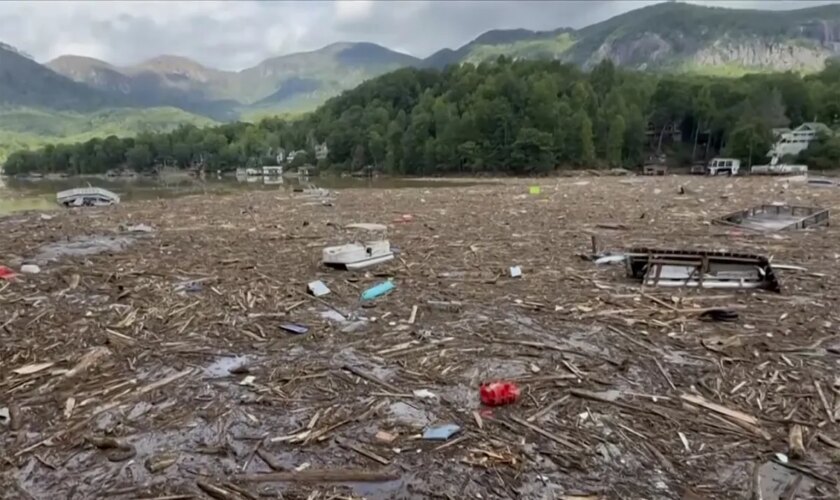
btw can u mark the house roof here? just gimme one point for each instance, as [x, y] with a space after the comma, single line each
[815, 126]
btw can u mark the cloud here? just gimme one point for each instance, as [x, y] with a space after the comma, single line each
[349, 10]
[239, 34]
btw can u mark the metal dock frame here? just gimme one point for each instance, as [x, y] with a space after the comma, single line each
[811, 217]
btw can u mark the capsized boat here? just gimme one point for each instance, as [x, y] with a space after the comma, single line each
[87, 197]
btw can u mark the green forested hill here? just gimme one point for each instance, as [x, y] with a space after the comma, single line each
[24, 128]
[522, 117]
[673, 37]
[24, 82]
[670, 38]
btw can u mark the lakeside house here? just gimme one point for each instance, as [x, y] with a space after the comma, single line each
[272, 171]
[294, 154]
[792, 142]
[321, 151]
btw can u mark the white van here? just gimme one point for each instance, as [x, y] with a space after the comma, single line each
[728, 166]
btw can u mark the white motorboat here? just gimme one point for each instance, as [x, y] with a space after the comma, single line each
[354, 256]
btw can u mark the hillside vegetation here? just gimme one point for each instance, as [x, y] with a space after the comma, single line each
[522, 117]
[75, 98]
[24, 82]
[667, 37]
[25, 128]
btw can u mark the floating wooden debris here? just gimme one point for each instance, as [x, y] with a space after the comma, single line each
[33, 368]
[321, 476]
[776, 218]
[822, 182]
[99, 342]
[87, 197]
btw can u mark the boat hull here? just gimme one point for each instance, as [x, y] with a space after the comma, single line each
[357, 256]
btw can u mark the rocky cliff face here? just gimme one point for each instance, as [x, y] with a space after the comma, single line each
[678, 36]
[652, 51]
[764, 54]
[640, 51]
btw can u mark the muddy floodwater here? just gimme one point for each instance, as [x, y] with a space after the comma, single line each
[19, 194]
[168, 347]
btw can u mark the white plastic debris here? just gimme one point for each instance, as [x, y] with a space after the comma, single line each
[332, 315]
[318, 288]
[140, 228]
[30, 269]
[366, 226]
[515, 272]
[610, 259]
[424, 394]
[248, 381]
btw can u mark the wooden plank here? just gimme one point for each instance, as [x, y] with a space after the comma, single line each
[320, 476]
[737, 415]
[556, 439]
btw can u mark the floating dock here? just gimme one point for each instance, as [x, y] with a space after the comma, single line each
[700, 269]
[770, 218]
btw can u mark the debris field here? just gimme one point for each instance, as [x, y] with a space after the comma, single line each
[171, 348]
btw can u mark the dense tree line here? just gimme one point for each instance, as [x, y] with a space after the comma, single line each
[520, 117]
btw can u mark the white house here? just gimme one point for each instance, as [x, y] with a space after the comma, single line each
[321, 151]
[272, 170]
[793, 142]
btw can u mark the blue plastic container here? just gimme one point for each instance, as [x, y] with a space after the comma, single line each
[378, 290]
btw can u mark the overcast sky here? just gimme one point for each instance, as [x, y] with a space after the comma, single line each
[237, 34]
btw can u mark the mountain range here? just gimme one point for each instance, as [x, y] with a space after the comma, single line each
[291, 81]
[664, 37]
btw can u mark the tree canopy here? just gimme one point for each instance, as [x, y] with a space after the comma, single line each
[518, 117]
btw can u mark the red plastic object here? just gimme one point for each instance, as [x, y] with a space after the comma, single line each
[6, 273]
[498, 393]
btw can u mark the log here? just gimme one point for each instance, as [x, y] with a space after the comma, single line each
[321, 476]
